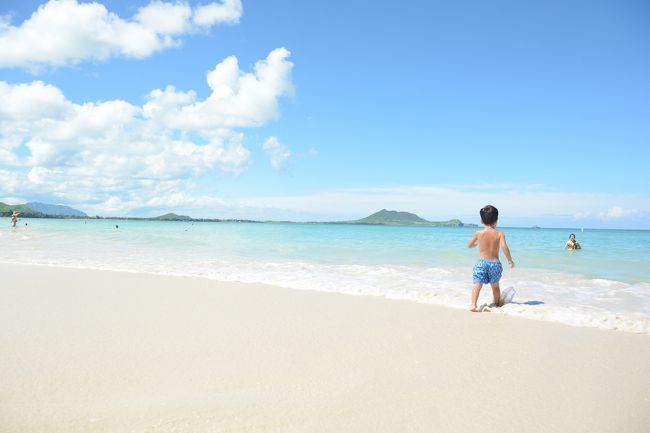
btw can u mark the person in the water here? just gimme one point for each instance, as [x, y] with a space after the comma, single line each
[14, 218]
[572, 243]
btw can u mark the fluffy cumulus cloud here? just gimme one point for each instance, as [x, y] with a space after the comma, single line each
[119, 155]
[237, 99]
[229, 11]
[278, 152]
[66, 32]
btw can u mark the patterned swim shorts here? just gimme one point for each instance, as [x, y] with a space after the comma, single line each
[487, 272]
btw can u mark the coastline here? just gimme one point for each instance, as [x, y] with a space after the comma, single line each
[103, 351]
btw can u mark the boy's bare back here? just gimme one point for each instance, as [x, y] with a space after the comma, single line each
[489, 240]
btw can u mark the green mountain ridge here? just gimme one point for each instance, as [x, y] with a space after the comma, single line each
[391, 217]
[172, 217]
[40, 210]
[25, 212]
[55, 210]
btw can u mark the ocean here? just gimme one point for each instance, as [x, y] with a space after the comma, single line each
[604, 285]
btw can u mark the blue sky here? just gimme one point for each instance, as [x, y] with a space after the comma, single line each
[540, 108]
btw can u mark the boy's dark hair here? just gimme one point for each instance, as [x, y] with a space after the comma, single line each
[489, 215]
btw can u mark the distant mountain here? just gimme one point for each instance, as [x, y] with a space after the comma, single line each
[55, 210]
[6, 210]
[172, 217]
[391, 217]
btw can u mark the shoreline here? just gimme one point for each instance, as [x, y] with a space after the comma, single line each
[106, 351]
[528, 304]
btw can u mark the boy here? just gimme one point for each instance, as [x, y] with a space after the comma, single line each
[487, 269]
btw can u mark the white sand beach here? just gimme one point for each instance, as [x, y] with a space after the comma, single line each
[98, 351]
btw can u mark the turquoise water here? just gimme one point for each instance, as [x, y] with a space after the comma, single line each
[606, 284]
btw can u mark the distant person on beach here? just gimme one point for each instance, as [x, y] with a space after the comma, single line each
[488, 269]
[14, 218]
[572, 243]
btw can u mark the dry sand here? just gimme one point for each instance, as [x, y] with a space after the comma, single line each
[93, 351]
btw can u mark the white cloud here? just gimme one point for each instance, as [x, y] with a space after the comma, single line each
[165, 18]
[108, 150]
[9, 181]
[238, 99]
[66, 32]
[229, 11]
[183, 199]
[582, 215]
[8, 145]
[26, 103]
[278, 152]
[616, 212]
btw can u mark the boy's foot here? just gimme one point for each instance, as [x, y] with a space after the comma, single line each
[474, 309]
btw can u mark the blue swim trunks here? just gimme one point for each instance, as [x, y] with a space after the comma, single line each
[487, 272]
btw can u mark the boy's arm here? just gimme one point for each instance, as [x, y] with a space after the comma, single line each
[473, 241]
[506, 250]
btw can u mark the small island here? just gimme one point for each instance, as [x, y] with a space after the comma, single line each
[396, 218]
[172, 217]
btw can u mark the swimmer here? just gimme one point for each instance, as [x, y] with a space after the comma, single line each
[572, 243]
[14, 218]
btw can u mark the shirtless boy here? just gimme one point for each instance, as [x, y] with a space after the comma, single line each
[487, 269]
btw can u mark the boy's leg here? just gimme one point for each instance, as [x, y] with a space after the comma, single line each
[496, 294]
[476, 289]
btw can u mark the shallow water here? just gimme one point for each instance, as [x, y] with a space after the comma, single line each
[606, 284]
